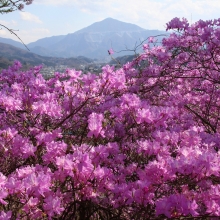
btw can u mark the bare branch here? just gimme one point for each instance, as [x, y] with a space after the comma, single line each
[13, 32]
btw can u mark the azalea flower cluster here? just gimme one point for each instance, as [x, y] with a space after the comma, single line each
[138, 142]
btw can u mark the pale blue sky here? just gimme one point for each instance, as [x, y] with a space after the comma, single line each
[46, 18]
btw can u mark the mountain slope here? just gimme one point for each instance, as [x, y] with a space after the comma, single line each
[95, 40]
[12, 42]
[46, 42]
[43, 51]
[10, 53]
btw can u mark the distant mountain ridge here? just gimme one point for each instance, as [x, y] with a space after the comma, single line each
[9, 53]
[12, 42]
[93, 41]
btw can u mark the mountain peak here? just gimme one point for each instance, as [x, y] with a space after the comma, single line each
[110, 25]
[93, 41]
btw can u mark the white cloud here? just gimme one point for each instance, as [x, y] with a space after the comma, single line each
[55, 2]
[4, 33]
[146, 13]
[30, 17]
[8, 23]
[33, 34]
[41, 30]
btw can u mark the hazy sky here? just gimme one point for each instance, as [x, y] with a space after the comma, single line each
[46, 18]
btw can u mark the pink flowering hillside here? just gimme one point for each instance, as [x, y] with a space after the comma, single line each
[140, 142]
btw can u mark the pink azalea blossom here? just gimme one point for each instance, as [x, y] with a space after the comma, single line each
[110, 51]
[95, 125]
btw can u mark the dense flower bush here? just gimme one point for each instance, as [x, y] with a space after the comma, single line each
[139, 142]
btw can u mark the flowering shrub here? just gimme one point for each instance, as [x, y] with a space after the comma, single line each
[139, 142]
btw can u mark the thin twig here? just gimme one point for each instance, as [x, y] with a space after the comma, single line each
[12, 32]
